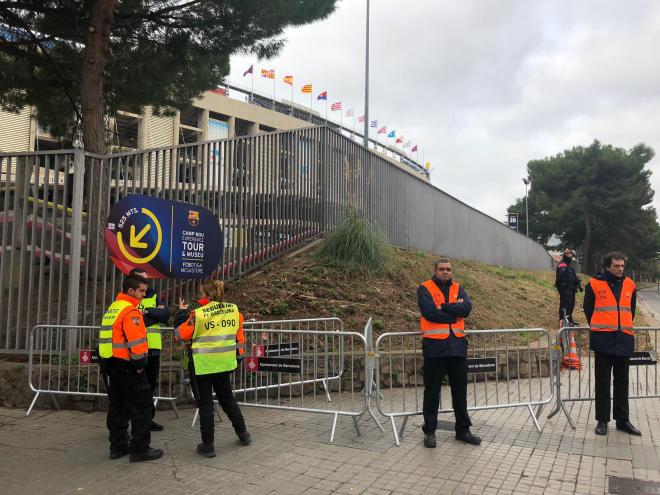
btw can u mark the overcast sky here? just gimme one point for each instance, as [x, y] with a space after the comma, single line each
[484, 86]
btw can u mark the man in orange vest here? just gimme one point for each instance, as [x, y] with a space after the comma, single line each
[609, 305]
[123, 348]
[444, 304]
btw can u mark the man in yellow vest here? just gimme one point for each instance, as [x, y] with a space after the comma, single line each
[155, 314]
[609, 305]
[444, 304]
[123, 349]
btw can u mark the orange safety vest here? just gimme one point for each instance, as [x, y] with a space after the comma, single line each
[123, 334]
[609, 314]
[432, 330]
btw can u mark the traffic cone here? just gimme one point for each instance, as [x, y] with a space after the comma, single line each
[571, 360]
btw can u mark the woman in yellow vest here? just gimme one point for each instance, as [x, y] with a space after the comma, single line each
[213, 331]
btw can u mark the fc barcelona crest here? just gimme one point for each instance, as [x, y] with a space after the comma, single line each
[193, 217]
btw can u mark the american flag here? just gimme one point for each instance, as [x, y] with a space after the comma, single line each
[335, 106]
[361, 118]
[382, 130]
[374, 124]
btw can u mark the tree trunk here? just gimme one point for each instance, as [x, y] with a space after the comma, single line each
[95, 55]
[587, 265]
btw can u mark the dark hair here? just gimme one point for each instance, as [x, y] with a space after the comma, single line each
[613, 255]
[133, 282]
[134, 272]
[441, 260]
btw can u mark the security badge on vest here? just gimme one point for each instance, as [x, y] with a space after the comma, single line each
[214, 338]
[609, 314]
[154, 340]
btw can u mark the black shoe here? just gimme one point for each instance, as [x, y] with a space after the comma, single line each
[156, 427]
[149, 455]
[468, 437]
[245, 438]
[206, 450]
[601, 428]
[628, 428]
[429, 440]
[120, 452]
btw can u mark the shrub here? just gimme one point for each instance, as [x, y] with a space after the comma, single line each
[356, 245]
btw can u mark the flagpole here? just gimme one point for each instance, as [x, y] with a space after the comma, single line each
[326, 109]
[252, 90]
[291, 97]
[311, 102]
[366, 85]
[274, 81]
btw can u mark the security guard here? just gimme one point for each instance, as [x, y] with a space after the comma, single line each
[155, 314]
[609, 305]
[567, 283]
[215, 331]
[444, 304]
[123, 349]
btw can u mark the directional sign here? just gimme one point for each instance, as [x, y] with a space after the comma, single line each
[481, 365]
[168, 239]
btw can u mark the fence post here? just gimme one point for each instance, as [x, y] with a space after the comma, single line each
[76, 238]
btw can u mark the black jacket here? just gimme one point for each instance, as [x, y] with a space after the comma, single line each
[616, 343]
[452, 346]
[565, 277]
[156, 315]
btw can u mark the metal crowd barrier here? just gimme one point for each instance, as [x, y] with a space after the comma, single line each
[62, 362]
[507, 368]
[574, 385]
[310, 365]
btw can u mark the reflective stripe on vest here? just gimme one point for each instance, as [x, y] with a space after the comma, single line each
[432, 330]
[107, 326]
[214, 338]
[154, 340]
[608, 316]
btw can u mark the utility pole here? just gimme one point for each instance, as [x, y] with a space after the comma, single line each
[526, 207]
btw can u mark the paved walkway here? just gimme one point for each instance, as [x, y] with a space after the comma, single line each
[66, 452]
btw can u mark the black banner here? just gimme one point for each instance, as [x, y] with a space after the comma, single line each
[481, 365]
[279, 365]
[283, 349]
[643, 358]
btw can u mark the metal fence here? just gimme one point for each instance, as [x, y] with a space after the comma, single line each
[306, 365]
[270, 193]
[507, 368]
[62, 362]
[578, 384]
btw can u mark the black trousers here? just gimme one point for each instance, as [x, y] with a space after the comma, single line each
[129, 399]
[153, 374]
[566, 302]
[220, 383]
[434, 371]
[604, 365]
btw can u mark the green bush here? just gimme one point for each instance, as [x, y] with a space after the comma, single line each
[356, 246]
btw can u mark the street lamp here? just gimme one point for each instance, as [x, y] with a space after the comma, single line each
[526, 207]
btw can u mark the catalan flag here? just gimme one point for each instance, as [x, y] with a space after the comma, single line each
[288, 80]
[268, 73]
[307, 88]
[249, 71]
[323, 96]
[335, 106]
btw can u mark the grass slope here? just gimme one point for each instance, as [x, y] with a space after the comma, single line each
[300, 286]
